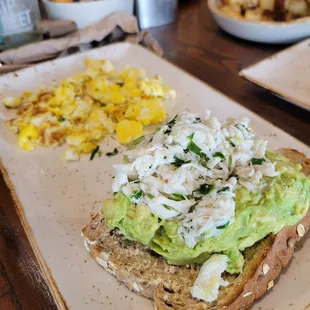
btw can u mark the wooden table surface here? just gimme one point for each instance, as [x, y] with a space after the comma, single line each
[197, 45]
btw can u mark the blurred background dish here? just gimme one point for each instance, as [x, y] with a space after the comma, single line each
[256, 28]
[266, 10]
[275, 74]
[88, 12]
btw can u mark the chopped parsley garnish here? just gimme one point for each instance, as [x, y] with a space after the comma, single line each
[110, 154]
[243, 126]
[194, 148]
[94, 152]
[120, 84]
[257, 161]
[170, 125]
[102, 104]
[232, 144]
[204, 189]
[197, 120]
[180, 196]
[172, 122]
[224, 189]
[61, 119]
[223, 226]
[169, 208]
[138, 140]
[137, 194]
[150, 196]
[136, 181]
[219, 154]
[179, 162]
[125, 159]
[203, 163]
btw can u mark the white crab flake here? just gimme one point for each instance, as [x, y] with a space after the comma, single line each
[208, 282]
[190, 169]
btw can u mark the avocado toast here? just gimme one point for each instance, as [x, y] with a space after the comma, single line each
[204, 215]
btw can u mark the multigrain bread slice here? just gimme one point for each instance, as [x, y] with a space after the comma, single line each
[149, 275]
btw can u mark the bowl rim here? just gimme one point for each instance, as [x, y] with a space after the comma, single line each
[215, 10]
[72, 3]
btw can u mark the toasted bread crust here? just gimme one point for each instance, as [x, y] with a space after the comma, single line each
[150, 276]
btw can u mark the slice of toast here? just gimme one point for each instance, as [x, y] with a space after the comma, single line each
[149, 275]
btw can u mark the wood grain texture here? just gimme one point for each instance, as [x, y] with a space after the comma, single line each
[22, 285]
[197, 45]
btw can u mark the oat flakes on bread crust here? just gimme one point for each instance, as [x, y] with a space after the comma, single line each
[148, 274]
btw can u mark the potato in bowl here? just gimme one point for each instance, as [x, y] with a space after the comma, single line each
[266, 10]
[253, 20]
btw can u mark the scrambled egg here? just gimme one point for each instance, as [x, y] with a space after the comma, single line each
[84, 108]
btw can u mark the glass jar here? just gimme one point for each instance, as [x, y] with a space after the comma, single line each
[18, 22]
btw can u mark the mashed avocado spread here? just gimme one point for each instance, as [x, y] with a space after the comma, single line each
[199, 187]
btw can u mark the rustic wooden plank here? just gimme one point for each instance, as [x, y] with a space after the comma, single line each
[22, 281]
[9, 302]
[5, 286]
[8, 299]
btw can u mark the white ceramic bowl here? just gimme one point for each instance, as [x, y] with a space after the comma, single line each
[86, 13]
[263, 32]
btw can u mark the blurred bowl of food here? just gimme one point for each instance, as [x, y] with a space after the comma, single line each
[264, 21]
[85, 13]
